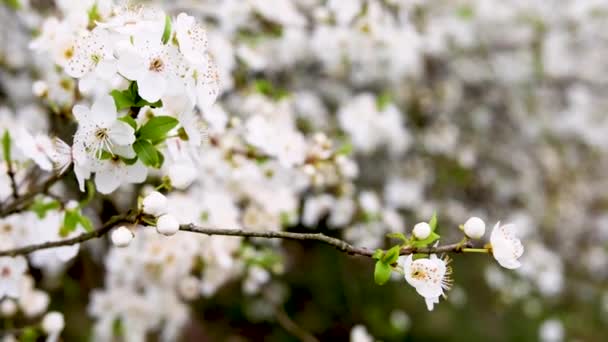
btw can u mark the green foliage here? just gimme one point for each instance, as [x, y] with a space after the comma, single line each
[156, 128]
[71, 219]
[429, 240]
[29, 334]
[345, 149]
[399, 236]
[167, 30]
[383, 100]
[90, 188]
[41, 208]
[129, 120]
[263, 86]
[13, 4]
[129, 98]
[147, 153]
[433, 222]
[382, 272]
[391, 255]
[6, 146]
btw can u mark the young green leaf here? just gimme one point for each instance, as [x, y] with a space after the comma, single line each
[129, 120]
[146, 152]
[123, 99]
[85, 222]
[391, 255]
[6, 146]
[399, 236]
[429, 240]
[90, 187]
[378, 253]
[382, 273]
[70, 220]
[433, 222]
[157, 127]
[41, 208]
[167, 31]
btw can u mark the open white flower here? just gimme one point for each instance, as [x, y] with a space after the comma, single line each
[506, 248]
[155, 66]
[114, 172]
[192, 38]
[99, 130]
[11, 272]
[429, 276]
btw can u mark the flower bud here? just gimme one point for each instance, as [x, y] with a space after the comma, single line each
[53, 322]
[155, 204]
[474, 228]
[122, 236]
[422, 230]
[167, 225]
[8, 307]
[182, 175]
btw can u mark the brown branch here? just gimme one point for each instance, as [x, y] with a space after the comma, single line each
[68, 242]
[340, 245]
[292, 327]
[21, 202]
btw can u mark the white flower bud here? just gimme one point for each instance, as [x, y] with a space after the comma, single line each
[122, 236]
[8, 307]
[40, 88]
[422, 230]
[167, 225]
[53, 322]
[71, 205]
[182, 175]
[189, 288]
[155, 204]
[474, 228]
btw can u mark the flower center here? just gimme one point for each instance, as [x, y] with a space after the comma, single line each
[157, 65]
[101, 133]
[6, 272]
[419, 274]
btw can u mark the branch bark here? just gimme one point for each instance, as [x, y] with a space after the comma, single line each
[340, 245]
[21, 202]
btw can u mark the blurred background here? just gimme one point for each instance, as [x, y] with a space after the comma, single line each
[487, 108]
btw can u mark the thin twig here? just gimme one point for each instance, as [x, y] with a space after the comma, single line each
[68, 242]
[292, 327]
[20, 203]
[341, 245]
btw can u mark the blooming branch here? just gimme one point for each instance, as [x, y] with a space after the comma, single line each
[339, 244]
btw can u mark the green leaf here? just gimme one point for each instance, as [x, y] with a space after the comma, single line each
[378, 253]
[90, 187]
[157, 127]
[429, 240]
[6, 146]
[383, 100]
[391, 255]
[382, 273]
[399, 236]
[142, 103]
[41, 208]
[146, 152]
[167, 31]
[161, 159]
[345, 149]
[70, 220]
[13, 4]
[85, 222]
[128, 161]
[29, 334]
[129, 120]
[123, 99]
[433, 222]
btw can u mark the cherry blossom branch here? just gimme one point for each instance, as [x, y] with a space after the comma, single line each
[21, 202]
[340, 245]
[71, 241]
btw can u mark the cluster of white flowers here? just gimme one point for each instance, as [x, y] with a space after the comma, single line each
[361, 115]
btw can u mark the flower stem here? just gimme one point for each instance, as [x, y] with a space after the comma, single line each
[475, 250]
